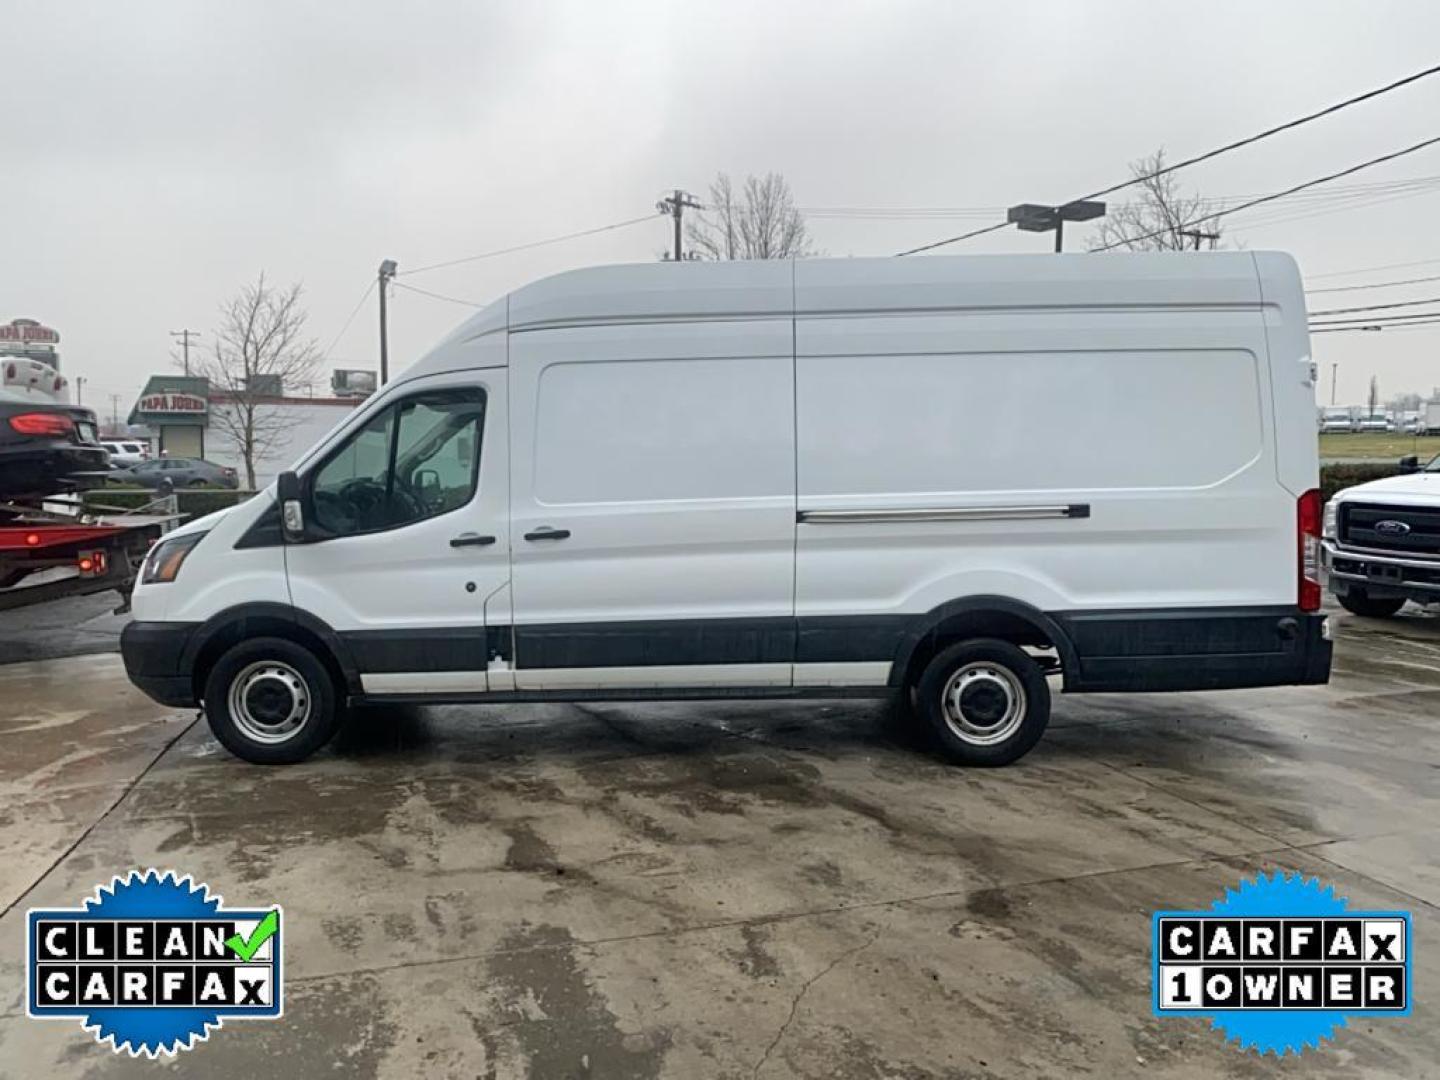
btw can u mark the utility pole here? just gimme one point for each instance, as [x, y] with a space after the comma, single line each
[387, 274]
[1199, 234]
[1334, 374]
[115, 413]
[79, 389]
[185, 336]
[675, 205]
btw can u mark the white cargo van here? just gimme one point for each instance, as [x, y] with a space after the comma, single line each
[773, 479]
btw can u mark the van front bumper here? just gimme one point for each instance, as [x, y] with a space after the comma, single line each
[153, 652]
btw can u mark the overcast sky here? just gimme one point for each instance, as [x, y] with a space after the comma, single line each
[158, 155]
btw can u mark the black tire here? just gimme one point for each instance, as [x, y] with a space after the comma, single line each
[1008, 696]
[291, 698]
[1359, 602]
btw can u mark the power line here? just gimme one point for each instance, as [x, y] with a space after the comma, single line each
[1382, 319]
[436, 295]
[1375, 285]
[1377, 307]
[356, 311]
[1288, 125]
[527, 247]
[1216, 215]
[1371, 327]
[1372, 269]
[1339, 193]
[1289, 214]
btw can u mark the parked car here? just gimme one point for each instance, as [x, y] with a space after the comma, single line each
[809, 478]
[1335, 420]
[125, 454]
[181, 472]
[47, 447]
[1382, 541]
[1377, 422]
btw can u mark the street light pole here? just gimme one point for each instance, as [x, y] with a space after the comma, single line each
[1036, 217]
[387, 272]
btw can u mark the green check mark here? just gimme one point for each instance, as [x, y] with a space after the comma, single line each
[245, 948]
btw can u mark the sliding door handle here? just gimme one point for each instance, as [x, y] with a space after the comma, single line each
[545, 532]
[470, 539]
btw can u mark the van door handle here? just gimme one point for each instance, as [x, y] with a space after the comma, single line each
[470, 539]
[545, 532]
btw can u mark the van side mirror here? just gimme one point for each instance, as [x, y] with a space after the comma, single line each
[290, 493]
[1409, 463]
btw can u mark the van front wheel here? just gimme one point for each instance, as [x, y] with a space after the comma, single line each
[986, 702]
[271, 701]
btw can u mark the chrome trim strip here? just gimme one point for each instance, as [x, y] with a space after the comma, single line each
[942, 513]
[1400, 583]
[1358, 554]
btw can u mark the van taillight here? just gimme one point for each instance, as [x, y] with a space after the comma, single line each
[1308, 514]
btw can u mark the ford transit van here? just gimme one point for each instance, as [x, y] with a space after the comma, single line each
[958, 479]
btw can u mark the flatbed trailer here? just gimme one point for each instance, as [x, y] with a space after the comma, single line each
[58, 548]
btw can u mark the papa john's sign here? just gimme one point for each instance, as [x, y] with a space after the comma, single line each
[173, 404]
[27, 332]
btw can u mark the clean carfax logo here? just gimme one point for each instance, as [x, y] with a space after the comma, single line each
[1280, 962]
[152, 962]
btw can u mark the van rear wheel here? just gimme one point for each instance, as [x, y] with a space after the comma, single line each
[271, 701]
[1359, 602]
[986, 702]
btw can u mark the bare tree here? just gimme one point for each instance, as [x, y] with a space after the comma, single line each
[260, 352]
[757, 222]
[1162, 217]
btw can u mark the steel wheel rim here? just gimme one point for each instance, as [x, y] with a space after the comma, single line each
[984, 703]
[269, 702]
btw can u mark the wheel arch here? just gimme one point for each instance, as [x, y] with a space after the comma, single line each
[233, 625]
[980, 616]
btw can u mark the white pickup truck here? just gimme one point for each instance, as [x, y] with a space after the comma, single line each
[1382, 541]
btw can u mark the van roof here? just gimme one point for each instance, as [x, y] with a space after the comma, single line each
[664, 291]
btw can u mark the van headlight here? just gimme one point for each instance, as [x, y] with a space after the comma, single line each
[1329, 526]
[166, 558]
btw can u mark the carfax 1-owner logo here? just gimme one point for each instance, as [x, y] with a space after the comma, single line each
[153, 962]
[1280, 963]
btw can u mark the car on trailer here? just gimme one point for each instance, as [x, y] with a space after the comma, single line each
[47, 447]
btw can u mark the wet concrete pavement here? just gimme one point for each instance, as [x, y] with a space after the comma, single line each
[747, 890]
[71, 627]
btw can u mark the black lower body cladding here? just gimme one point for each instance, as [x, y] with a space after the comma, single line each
[1102, 651]
[154, 660]
[1196, 649]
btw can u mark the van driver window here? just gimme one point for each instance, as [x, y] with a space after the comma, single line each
[414, 460]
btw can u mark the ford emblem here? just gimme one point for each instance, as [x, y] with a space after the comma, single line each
[1391, 528]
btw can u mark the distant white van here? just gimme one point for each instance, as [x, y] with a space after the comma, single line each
[775, 479]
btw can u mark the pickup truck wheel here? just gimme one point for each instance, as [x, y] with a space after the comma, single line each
[271, 701]
[1359, 602]
[986, 702]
